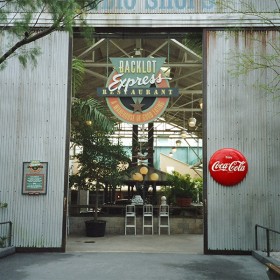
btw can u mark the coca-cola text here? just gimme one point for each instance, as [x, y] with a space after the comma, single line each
[235, 166]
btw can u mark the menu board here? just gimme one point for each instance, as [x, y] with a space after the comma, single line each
[34, 177]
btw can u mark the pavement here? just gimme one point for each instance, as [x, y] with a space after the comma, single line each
[174, 257]
[179, 243]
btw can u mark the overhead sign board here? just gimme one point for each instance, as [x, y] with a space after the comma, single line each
[137, 91]
[162, 5]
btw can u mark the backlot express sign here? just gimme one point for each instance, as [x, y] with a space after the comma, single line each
[137, 91]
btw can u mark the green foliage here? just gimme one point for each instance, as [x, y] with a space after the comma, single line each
[182, 186]
[20, 19]
[3, 205]
[29, 56]
[90, 110]
[198, 185]
[194, 42]
[100, 160]
[87, 110]
[78, 71]
[246, 61]
[257, 57]
[3, 241]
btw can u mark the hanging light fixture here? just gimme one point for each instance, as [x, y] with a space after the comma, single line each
[137, 176]
[192, 120]
[178, 143]
[144, 170]
[154, 176]
[184, 134]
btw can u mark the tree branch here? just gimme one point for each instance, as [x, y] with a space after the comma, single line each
[28, 40]
[61, 22]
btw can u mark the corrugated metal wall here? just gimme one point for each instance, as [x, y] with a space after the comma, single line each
[33, 109]
[241, 115]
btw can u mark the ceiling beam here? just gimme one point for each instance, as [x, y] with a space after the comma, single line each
[186, 76]
[193, 85]
[92, 48]
[157, 49]
[189, 64]
[97, 75]
[119, 48]
[189, 91]
[186, 49]
[177, 109]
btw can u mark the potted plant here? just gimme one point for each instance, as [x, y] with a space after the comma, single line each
[90, 127]
[182, 189]
[99, 164]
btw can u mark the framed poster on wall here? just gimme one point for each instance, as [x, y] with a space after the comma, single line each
[34, 177]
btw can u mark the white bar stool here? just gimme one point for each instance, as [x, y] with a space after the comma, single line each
[148, 218]
[130, 218]
[163, 218]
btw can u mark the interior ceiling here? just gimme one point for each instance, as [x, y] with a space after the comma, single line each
[184, 64]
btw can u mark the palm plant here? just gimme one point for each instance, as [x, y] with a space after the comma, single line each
[87, 110]
[78, 71]
[91, 124]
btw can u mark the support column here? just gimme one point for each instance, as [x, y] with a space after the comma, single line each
[151, 144]
[134, 144]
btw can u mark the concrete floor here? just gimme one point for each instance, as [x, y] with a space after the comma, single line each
[176, 257]
[178, 243]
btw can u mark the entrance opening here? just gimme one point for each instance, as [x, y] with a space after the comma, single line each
[176, 134]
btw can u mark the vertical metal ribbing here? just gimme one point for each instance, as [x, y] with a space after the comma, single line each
[241, 115]
[34, 128]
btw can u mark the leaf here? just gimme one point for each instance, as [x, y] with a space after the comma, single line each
[78, 70]
[94, 111]
[18, 15]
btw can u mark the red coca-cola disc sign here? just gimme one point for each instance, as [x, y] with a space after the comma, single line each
[228, 167]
